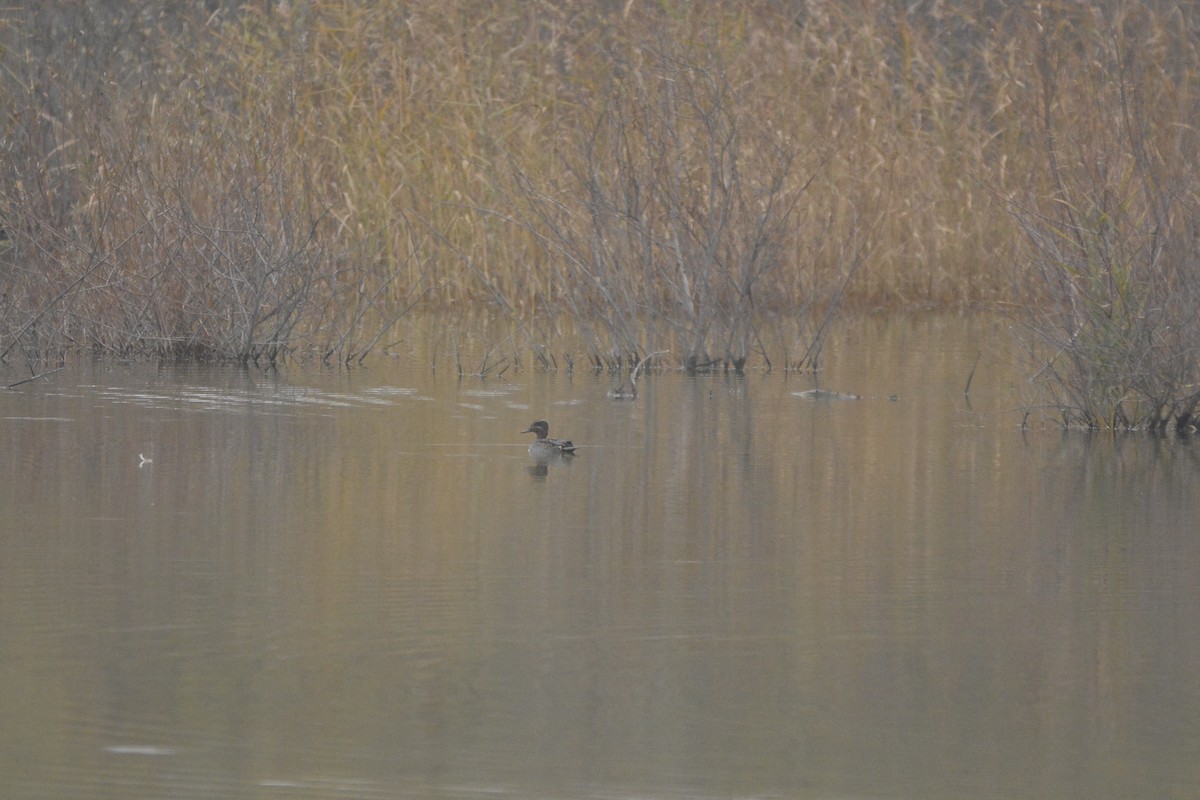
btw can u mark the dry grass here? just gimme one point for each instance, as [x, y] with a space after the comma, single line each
[292, 177]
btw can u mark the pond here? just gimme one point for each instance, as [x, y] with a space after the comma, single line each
[359, 584]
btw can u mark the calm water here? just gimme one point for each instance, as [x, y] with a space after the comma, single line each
[332, 584]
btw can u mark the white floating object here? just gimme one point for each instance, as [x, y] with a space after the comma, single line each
[140, 750]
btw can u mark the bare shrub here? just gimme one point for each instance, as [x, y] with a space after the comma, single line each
[1115, 271]
[193, 242]
[179, 218]
[676, 202]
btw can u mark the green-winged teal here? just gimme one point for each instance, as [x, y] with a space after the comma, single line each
[544, 445]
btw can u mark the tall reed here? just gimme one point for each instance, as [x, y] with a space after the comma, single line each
[249, 180]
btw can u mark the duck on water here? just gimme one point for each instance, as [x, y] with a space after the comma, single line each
[543, 444]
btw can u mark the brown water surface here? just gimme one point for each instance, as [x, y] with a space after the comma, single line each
[332, 584]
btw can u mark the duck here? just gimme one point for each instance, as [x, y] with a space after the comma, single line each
[543, 444]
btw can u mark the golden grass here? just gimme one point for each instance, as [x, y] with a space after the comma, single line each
[414, 117]
[382, 146]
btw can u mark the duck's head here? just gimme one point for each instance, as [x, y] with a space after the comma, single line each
[541, 428]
